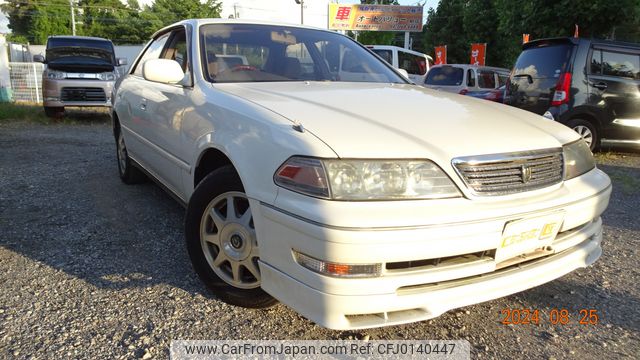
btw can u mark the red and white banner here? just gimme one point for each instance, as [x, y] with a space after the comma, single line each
[478, 54]
[441, 55]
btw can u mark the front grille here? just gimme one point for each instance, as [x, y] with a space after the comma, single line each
[428, 264]
[503, 174]
[83, 94]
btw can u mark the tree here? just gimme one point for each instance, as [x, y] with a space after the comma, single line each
[112, 19]
[501, 23]
[36, 21]
[121, 23]
[170, 11]
[445, 26]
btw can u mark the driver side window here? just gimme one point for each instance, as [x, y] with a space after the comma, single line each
[152, 52]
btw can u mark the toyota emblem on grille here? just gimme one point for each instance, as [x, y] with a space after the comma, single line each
[526, 173]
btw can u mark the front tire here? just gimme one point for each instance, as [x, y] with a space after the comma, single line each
[54, 111]
[587, 131]
[221, 240]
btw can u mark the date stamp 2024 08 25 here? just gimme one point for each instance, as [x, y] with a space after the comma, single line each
[555, 317]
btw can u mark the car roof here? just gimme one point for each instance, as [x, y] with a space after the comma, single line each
[576, 41]
[199, 22]
[393, 47]
[77, 37]
[469, 66]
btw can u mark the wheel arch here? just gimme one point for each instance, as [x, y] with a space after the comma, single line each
[115, 123]
[590, 118]
[209, 160]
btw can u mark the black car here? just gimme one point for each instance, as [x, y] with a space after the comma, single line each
[592, 86]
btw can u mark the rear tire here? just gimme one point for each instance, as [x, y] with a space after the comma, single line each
[129, 174]
[54, 111]
[221, 240]
[587, 131]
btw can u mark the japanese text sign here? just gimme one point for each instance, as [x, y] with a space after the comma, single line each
[375, 17]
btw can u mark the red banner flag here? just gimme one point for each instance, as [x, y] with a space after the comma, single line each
[478, 53]
[441, 55]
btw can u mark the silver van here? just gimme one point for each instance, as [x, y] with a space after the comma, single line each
[464, 78]
[80, 71]
[415, 63]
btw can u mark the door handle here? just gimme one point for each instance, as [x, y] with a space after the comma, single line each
[600, 86]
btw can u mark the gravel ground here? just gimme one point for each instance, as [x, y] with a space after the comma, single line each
[92, 268]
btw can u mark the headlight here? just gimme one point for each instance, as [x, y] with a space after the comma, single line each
[578, 159]
[56, 75]
[106, 76]
[365, 179]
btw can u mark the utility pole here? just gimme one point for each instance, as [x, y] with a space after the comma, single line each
[235, 11]
[73, 18]
[301, 2]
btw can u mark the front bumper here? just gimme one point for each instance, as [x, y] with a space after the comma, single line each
[426, 291]
[52, 92]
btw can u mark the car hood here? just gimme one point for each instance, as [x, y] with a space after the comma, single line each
[373, 120]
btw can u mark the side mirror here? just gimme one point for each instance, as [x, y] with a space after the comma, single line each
[403, 72]
[121, 61]
[38, 58]
[163, 71]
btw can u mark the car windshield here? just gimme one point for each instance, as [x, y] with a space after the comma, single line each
[280, 53]
[444, 75]
[79, 51]
[545, 61]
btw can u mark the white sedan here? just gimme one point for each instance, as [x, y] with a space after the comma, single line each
[315, 174]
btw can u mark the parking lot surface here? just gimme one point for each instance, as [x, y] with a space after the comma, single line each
[93, 268]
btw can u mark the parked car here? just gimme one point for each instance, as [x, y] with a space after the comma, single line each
[496, 95]
[592, 86]
[463, 78]
[80, 72]
[356, 198]
[415, 63]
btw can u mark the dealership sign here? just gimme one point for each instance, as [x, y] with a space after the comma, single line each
[375, 17]
[478, 54]
[441, 55]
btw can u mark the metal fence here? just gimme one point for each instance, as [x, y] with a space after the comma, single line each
[26, 81]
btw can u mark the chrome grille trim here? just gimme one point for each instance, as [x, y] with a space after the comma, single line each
[503, 174]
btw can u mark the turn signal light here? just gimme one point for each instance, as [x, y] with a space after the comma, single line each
[337, 269]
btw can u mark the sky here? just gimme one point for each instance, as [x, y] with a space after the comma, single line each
[315, 12]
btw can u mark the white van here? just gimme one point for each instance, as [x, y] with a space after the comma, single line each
[415, 63]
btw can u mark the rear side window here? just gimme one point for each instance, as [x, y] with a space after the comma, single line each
[544, 61]
[412, 63]
[486, 79]
[622, 65]
[502, 78]
[445, 75]
[596, 62]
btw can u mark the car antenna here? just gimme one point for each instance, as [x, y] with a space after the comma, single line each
[297, 126]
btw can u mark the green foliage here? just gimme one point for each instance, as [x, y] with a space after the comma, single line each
[35, 20]
[501, 23]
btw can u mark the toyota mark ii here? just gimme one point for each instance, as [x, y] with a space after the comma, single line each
[316, 175]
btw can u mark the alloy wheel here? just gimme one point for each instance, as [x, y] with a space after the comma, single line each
[585, 133]
[228, 240]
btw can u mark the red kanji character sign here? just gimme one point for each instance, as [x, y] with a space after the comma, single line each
[343, 13]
